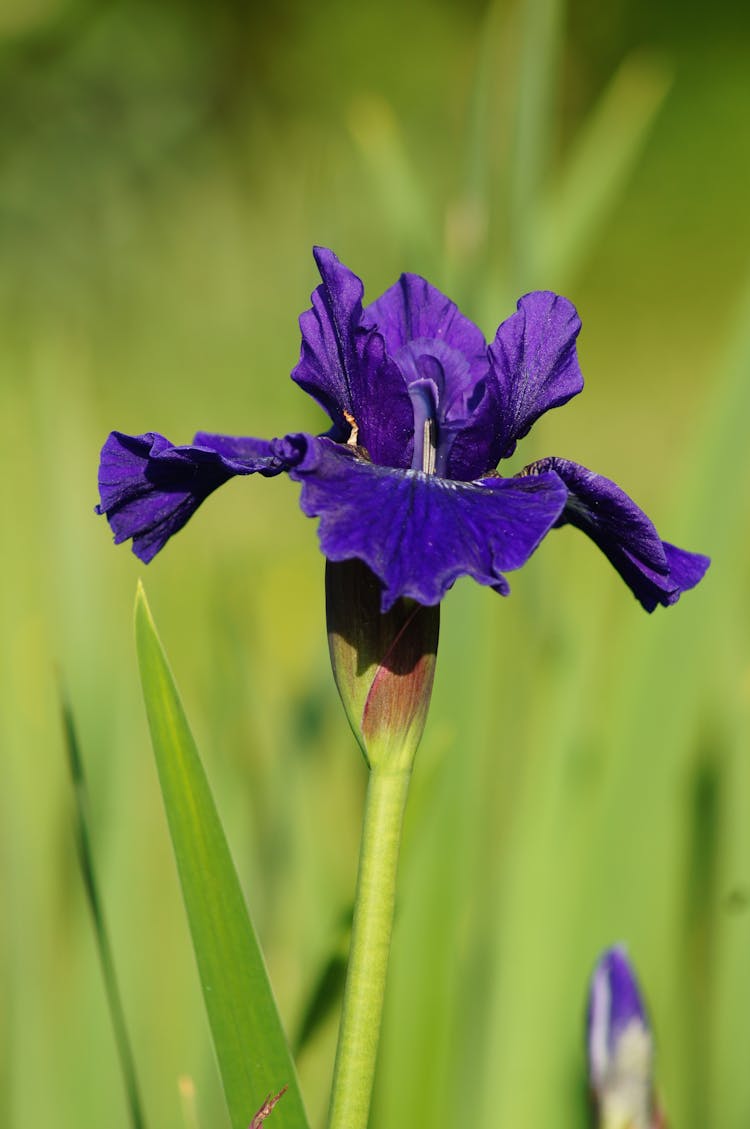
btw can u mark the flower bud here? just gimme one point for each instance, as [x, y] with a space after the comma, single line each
[620, 1047]
[384, 664]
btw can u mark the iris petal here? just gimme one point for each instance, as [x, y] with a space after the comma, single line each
[655, 571]
[149, 488]
[346, 368]
[652, 588]
[412, 309]
[473, 452]
[328, 355]
[416, 319]
[419, 533]
[382, 405]
[241, 449]
[534, 364]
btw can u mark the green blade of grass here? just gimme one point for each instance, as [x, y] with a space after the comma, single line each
[596, 170]
[250, 1045]
[541, 43]
[398, 189]
[86, 860]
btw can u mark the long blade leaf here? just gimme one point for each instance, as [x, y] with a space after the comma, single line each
[250, 1045]
[101, 935]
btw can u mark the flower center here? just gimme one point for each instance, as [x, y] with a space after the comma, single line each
[443, 398]
[423, 395]
[429, 446]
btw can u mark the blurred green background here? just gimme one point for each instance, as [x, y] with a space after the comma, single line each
[584, 779]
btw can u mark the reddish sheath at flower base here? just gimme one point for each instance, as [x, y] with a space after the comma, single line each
[383, 663]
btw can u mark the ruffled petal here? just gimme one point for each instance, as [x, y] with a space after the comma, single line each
[345, 367]
[534, 364]
[239, 449]
[328, 355]
[149, 488]
[419, 533]
[413, 309]
[684, 570]
[655, 571]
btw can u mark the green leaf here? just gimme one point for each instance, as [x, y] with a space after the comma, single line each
[250, 1045]
[101, 933]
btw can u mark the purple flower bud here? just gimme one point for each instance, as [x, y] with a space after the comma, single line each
[620, 1046]
[383, 663]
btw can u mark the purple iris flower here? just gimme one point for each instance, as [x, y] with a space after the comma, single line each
[422, 410]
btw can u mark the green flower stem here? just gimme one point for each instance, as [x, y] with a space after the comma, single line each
[362, 1012]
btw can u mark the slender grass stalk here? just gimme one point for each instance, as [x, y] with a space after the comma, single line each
[540, 50]
[86, 860]
[362, 1012]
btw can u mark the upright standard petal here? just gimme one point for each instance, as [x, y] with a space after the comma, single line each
[345, 367]
[533, 364]
[419, 533]
[417, 321]
[149, 488]
[412, 309]
[655, 571]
